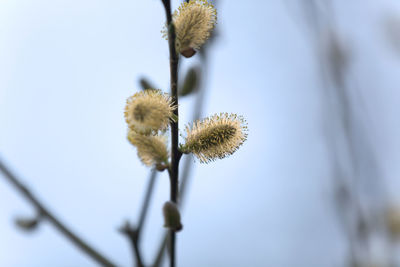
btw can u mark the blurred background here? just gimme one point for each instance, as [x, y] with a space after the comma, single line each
[316, 183]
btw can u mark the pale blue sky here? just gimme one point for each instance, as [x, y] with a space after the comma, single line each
[66, 69]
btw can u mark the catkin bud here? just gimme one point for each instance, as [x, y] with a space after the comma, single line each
[193, 22]
[149, 111]
[152, 150]
[215, 137]
[27, 224]
[172, 216]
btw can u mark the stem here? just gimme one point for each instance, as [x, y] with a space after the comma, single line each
[52, 219]
[175, 154]
[139, 261]
[134, 233]
[188, 162]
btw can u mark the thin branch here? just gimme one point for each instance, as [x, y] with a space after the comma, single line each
[188, 161]
[196, 115]
[45, 213]
[139, 261]
[133, 235]
[174, 168]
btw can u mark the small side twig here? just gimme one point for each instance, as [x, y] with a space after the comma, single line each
[46, 214]
[134, 233]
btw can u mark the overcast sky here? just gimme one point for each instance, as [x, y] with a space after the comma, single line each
[66, 69]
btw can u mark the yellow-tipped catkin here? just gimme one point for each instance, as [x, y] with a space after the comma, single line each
[152, 150]
[215, 137]
[193, 22]
[148, 111]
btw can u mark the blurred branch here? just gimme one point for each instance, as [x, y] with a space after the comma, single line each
[134, 233]
[347, 136]
[45, 213]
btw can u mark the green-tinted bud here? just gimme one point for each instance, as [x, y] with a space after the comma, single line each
[146, 84]
[27, 224]
[172, 216]
[190, 82]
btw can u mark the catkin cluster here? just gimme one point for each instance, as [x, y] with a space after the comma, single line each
[149, 113]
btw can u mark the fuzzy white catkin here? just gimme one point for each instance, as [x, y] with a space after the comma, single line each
[215, 137]
[152, 150]
[194, 22]
[149, 111]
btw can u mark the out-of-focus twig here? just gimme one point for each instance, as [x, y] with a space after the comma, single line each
[46, 214]
[133, 233]
[346, 135]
